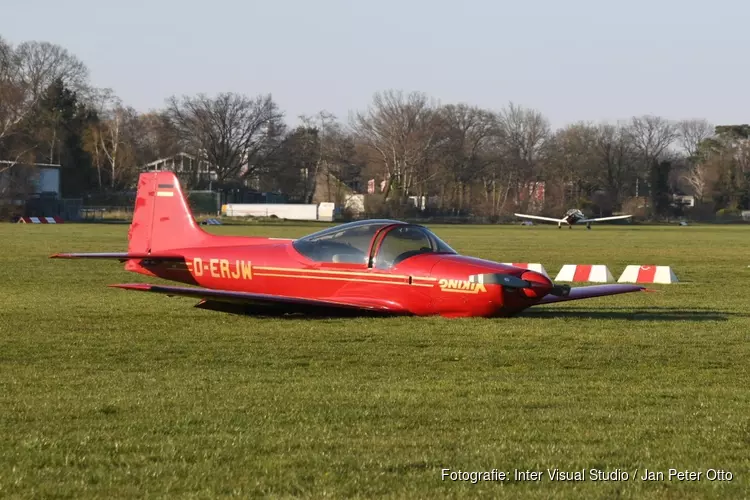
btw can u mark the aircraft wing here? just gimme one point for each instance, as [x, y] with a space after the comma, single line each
[537, 217]
[239, 302]
[122, 257]
[599, 219]
[587, 292]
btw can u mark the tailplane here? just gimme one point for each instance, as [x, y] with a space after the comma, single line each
[162, 219]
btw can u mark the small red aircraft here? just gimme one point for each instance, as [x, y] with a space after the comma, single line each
[368, 266]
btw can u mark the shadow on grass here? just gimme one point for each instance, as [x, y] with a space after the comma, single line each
[624, 313]
[100, 221]
[287, 311]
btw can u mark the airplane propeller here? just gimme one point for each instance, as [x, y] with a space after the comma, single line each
[513, 282]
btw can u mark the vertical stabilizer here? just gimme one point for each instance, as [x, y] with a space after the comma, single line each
[162, 219]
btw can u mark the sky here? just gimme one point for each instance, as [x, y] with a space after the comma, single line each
[591, 60]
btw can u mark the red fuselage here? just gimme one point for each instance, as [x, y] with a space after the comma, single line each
[425, 284]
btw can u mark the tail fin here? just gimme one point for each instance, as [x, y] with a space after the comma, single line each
[162, 219]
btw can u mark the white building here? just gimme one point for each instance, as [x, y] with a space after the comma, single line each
[181, 162]
[684, 200]
[184, 164]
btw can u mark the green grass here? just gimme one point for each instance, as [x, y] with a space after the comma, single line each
[106, 393]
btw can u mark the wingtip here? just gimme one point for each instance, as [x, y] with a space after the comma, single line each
[131, 286]
[634, 287]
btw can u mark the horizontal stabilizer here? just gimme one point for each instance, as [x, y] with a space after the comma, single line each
[122, 257]
[588, 292]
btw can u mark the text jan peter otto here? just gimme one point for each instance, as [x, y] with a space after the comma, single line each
[675, 475]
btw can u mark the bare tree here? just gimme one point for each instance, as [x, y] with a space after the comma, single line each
[92, 145]
[15, 106]
[691, 133]
[333, 153]
[5, 54]
[403, 131]
[230, 130]
[16, 101]
[159, 137]
[317, 126]
[697, 178]
[499, 177]
[468, 132]
[652, 135]
[571, 166]
[742, 156]
[115, 143]
[617, 160]
[93, 138]
[41, 63]
[526, 132]
[111, 141]
[8, 62]
[26, 74]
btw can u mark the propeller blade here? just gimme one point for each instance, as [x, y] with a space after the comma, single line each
[560, 290]
[509, 281]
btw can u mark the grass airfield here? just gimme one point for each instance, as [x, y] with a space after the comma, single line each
[106, 393]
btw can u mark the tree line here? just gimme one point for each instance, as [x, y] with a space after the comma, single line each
[464, 159]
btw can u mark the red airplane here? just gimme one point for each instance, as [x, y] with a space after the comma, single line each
[369, 266]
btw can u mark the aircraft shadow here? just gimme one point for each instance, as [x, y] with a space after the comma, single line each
[624, 313]
[294, 312]
[613, 313]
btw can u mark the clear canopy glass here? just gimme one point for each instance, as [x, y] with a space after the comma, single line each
[353, 243]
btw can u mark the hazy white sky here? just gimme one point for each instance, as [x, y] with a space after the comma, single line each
[571, 59]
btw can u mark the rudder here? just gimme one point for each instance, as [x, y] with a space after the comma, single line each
[162, 219]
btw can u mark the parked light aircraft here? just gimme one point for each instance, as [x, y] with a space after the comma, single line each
[573, 216]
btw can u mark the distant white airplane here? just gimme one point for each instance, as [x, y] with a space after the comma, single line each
[573, 216]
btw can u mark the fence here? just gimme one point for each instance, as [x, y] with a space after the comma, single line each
[119, 206]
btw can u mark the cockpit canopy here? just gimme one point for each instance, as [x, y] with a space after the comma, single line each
[575, 213]
[374, 243]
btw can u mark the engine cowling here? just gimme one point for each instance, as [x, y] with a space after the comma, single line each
[540, 285]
